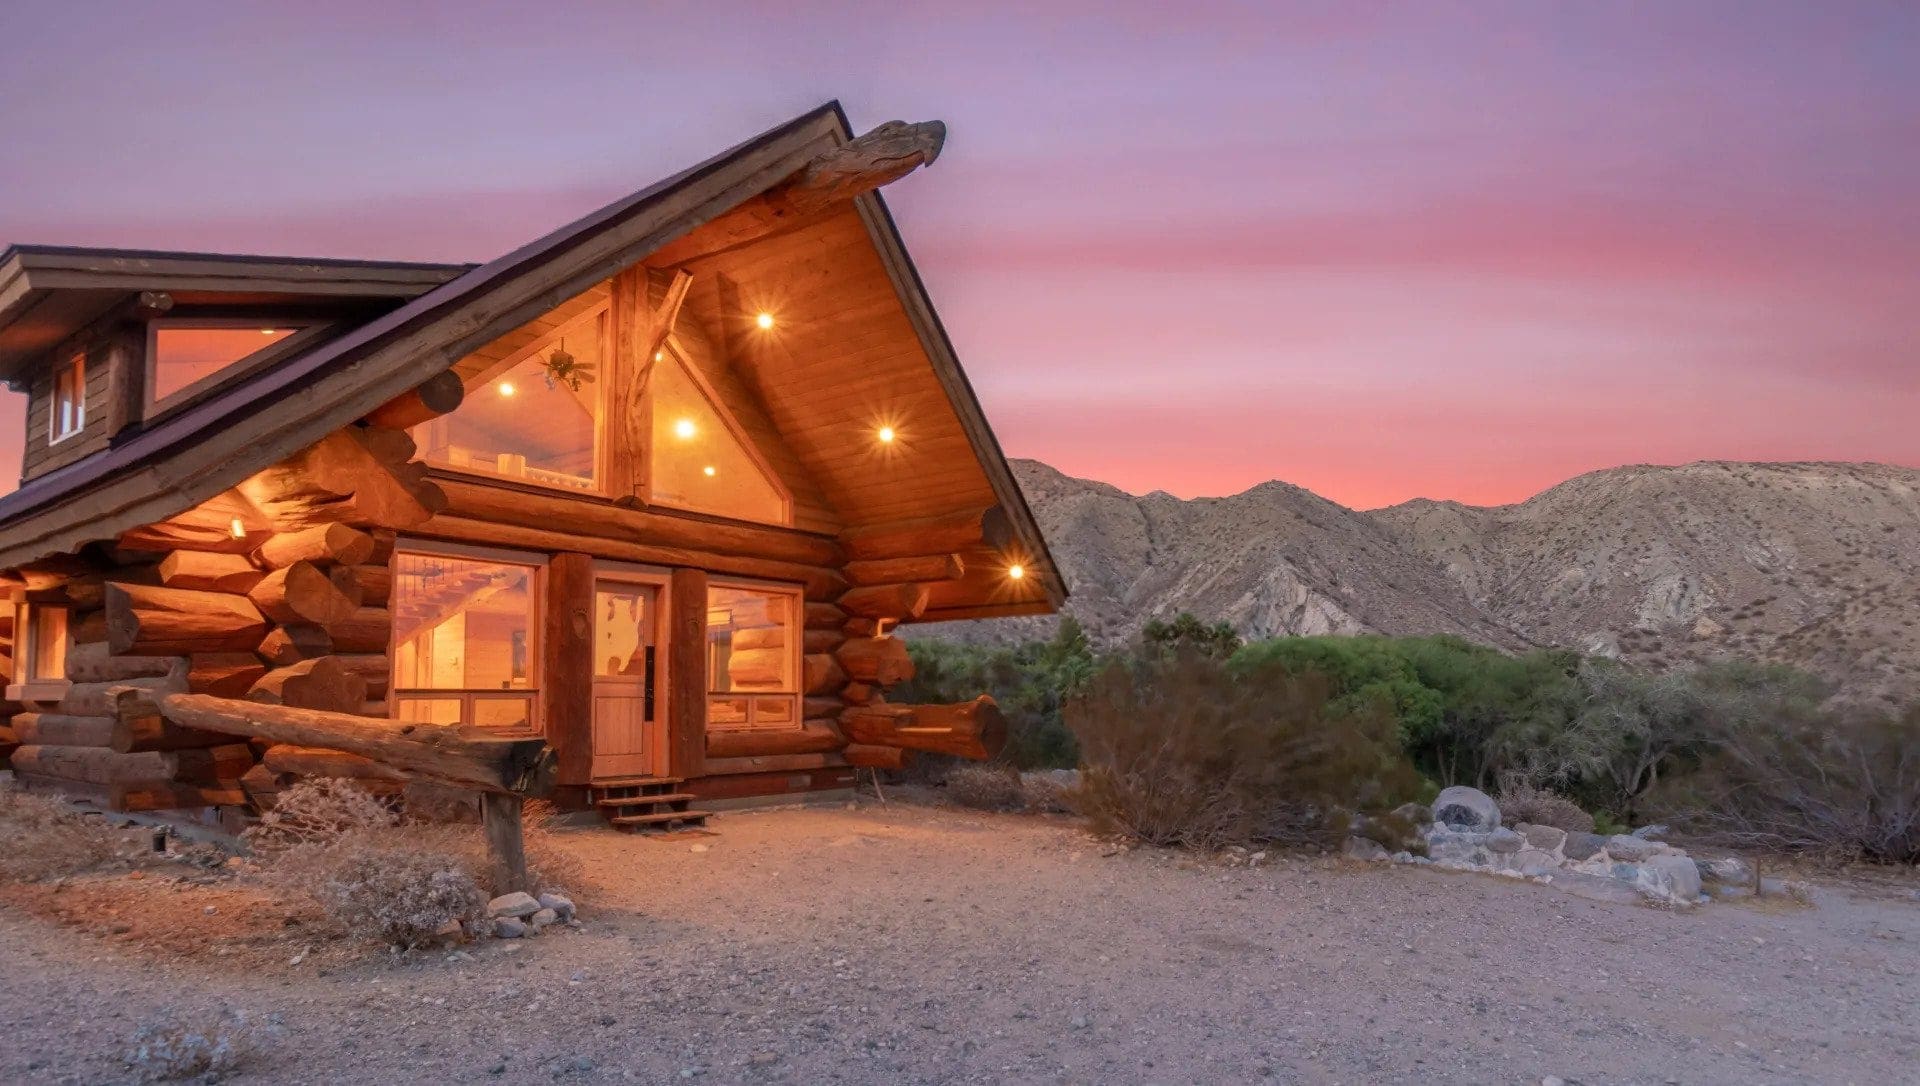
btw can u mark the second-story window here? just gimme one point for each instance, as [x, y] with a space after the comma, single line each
[187, 357]
[67, 414]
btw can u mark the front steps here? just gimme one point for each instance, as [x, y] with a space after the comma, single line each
[646, 804]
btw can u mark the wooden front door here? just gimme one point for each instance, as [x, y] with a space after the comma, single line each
[629, 731]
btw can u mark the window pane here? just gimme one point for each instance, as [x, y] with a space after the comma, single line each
[49, 643]
[491, 712]
[773, 710]
[69, 413]
[182, 356]
[623, 625]
[698, 462]
[751, 636]
[461, 624]
[529, 423]
[429, 710]
[722, 712]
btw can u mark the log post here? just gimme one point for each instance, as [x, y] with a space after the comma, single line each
[568, 676]
[974, 729]
[506, 848]
[687, 672]
[438, 395]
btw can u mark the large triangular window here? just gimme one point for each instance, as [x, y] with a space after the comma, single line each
[700, 458]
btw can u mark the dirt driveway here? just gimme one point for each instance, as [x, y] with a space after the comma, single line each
[904, 944]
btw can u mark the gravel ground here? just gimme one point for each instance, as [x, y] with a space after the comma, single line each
[907, 944]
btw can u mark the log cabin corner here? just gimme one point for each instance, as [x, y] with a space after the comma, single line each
[657, 488]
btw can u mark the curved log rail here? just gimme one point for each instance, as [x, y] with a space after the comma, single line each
[503, 769]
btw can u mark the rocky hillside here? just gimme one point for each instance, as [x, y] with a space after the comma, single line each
[1811, 564]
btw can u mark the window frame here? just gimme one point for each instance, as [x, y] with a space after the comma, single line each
[601, 488]
[797, 658]
[31, 680]
[74, 369]
[306, 329]
[535, 692]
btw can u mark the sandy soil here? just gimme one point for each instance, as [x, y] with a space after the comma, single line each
[904, 944]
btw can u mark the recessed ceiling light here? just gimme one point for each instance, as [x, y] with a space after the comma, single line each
[684, 429]
[1015, 572]
[764, 320]
[507, 389]
[886, 435]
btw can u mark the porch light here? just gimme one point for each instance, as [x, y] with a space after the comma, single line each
[684, 429]
[764, 320]
[507, 389]
[237, 529]
[1016, 571]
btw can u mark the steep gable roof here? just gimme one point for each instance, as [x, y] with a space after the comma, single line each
[215, 444]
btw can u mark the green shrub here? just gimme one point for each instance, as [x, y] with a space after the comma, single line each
[1179, 748]
[1030, 682]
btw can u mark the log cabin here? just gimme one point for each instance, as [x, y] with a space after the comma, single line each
[658, 488]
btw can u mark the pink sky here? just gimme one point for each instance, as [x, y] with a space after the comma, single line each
[1463, 251]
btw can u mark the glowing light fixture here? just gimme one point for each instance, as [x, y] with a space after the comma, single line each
[708, 470]
[1016, 572]
[684, 429]
[268, 332]
[238, 530]
[886, 435]
[764, 320]
[659, 356]
[507, 389]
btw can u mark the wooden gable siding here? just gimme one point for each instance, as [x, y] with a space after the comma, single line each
[841, 360]
[42, 456]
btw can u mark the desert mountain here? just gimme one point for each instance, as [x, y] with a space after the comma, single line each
[1810, 564]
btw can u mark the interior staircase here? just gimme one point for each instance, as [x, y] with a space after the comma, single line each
[646, 804]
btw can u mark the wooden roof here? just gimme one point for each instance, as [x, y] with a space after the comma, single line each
[863, 343]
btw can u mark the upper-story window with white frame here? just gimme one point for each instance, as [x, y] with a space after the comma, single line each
[187, 356]
[67, 408]
[533, 412]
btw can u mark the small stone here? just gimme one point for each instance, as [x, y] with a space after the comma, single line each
[697, 848]
[544, 918]
[517, 904]
[1468, 807]
[1631, 850]
[559, 903]
[506, 927]
[1505, 840]
[763, 1059]
[1582, 846]
[1553, 1080]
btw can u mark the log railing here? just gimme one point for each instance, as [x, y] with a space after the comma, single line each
[505, 770]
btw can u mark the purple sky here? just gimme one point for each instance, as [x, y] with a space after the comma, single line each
[1381, 251]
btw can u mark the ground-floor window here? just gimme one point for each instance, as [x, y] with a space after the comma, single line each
[40, 641]
[463, 640]
[753, 656]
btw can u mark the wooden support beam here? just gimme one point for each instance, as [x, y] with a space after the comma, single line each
[352, 476]
[209, 571]
[868, 756]
[285, 645]
[990, 527]
[500, 814]
[924, 567]
[900, 602]
[567, 678]
[321, 762]
[438, 395]
[637, 330]
[687, 672]
[974, 729]
[881, 661]
[92, 662]
[455, 754]
[302, 594]
[815, 737]
[325, 682]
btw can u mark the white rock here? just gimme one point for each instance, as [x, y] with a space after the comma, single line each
[559, 903]
[1631, 850]
[517, 904]
[1468, 807]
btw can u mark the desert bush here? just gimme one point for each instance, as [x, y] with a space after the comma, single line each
[318, 810]
[1522, 802]
[207, 1048]
[1800, 779]
[1029, 681]
[46, 837]
[383, 883]
[1180, 748]
[1054, 791]
[994, 787]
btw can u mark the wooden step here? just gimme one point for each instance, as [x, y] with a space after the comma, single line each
[660, 819]
[640, 801]
[632, 782]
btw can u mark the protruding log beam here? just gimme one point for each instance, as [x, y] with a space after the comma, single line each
[374, 583]
[94, 765]
[145, 621]
[821, 674]
[225, 674]
[882, 661]
[901, 602]
[99, 699]
[134, 734]
[62, 730]
[885, 154]
[209, 571]
[824, 616]
[285, 645]
[989, 527]
[325, 544]
[302, 593]
[367, 630]
[92, 662]
[815, 737]
[352, 476]
[867, 756]
[925, 567]
[88, 592]
[974, 729]
[438, 395]
[455, 754]
[226, 523]
[321, 762]
[321, 683]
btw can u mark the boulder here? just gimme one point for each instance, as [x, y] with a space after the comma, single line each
[1631, 850]
[1360, 848]
[543, 919]
[506, 927]
[561, 904]
[1544, 838]
[1468, 807]
[1672, 880]
[1655, 832]
[1582, 846]
[516, 905]
[1505, 840]
[1730, 869]
[1533, 861]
